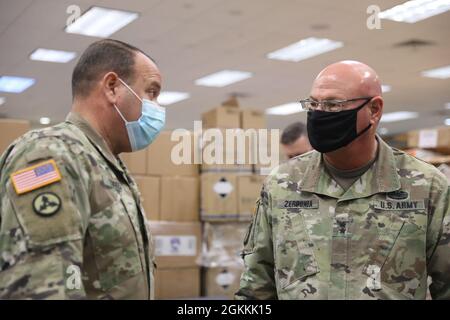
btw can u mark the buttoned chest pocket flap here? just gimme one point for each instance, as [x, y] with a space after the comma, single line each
[114, 243]
[398, 252]
[294, 250]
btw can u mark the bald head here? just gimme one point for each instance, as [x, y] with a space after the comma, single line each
[346, 80]
[359, 86]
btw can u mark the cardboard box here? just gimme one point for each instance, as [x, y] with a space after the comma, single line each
[159, 155]
[218, 196]
[149, 188]
[226, 150]
[253, 119]
[177, 283]
[266, 152]
[221, 282]
[177, 244]
[222, 117]
[223, 243]
[437, 139]
[136, 162]
[10, 130]
[249, 188]
[180, 198]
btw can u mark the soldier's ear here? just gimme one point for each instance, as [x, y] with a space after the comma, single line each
[376, 109]
[110, 86]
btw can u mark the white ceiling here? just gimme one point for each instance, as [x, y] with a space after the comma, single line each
[192, 38]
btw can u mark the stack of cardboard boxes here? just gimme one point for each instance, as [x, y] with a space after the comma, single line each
[170, 196]
[228, 196]
[199, 211]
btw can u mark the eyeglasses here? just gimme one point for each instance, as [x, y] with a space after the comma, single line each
[328, 105]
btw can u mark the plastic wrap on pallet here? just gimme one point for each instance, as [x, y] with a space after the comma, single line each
[222, 244]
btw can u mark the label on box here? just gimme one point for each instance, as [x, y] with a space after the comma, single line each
[175, 246]
[428, 138]
[225, 279]
[223, 187]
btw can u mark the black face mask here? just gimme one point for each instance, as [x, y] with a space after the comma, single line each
[329, 131]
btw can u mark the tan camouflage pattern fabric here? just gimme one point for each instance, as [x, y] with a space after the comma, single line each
[380, 239]
[100, 227]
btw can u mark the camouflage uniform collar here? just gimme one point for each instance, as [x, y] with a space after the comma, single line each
[94, 137]
[381, 178]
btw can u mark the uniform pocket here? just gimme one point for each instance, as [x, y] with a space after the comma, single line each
[388, 227]
[294, 251]
[397, 257]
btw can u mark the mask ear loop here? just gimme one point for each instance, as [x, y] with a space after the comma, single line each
[120, 114]
[367, 128]
[128, 87]
[370, 125]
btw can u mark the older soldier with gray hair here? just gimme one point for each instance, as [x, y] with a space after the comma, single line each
[71, 220]
[354, 219]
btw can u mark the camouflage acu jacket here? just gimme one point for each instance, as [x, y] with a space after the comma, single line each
[69, 208]
[378, 240]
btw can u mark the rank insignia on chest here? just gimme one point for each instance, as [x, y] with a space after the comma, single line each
[298, 204]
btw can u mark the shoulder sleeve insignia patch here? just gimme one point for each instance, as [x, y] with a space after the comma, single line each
[35, 177]
[46, 204]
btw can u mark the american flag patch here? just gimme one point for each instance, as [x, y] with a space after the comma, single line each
[35, 177]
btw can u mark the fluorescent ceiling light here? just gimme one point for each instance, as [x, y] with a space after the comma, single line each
[169, 97]
[44, 120]
[385, 88]
[415, 10]
[447, 122]
[305, 49]
[15, 84]
[49, 55]
[398, 116]
[223, 78]
[439, 73]
[101, 22]
[285, 109]
[2, 100]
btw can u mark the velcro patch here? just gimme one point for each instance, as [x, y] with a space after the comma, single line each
[35, 177]
[399, 205]
[299, 204]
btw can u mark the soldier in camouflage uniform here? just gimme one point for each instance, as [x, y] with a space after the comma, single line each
[374, 232]
[78, 230]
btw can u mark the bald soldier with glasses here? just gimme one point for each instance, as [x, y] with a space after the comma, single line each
[354, 218]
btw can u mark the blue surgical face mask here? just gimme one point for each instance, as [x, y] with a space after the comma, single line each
[144, 130]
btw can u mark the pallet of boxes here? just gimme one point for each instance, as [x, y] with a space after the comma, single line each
[170, 193]
[229, 190]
